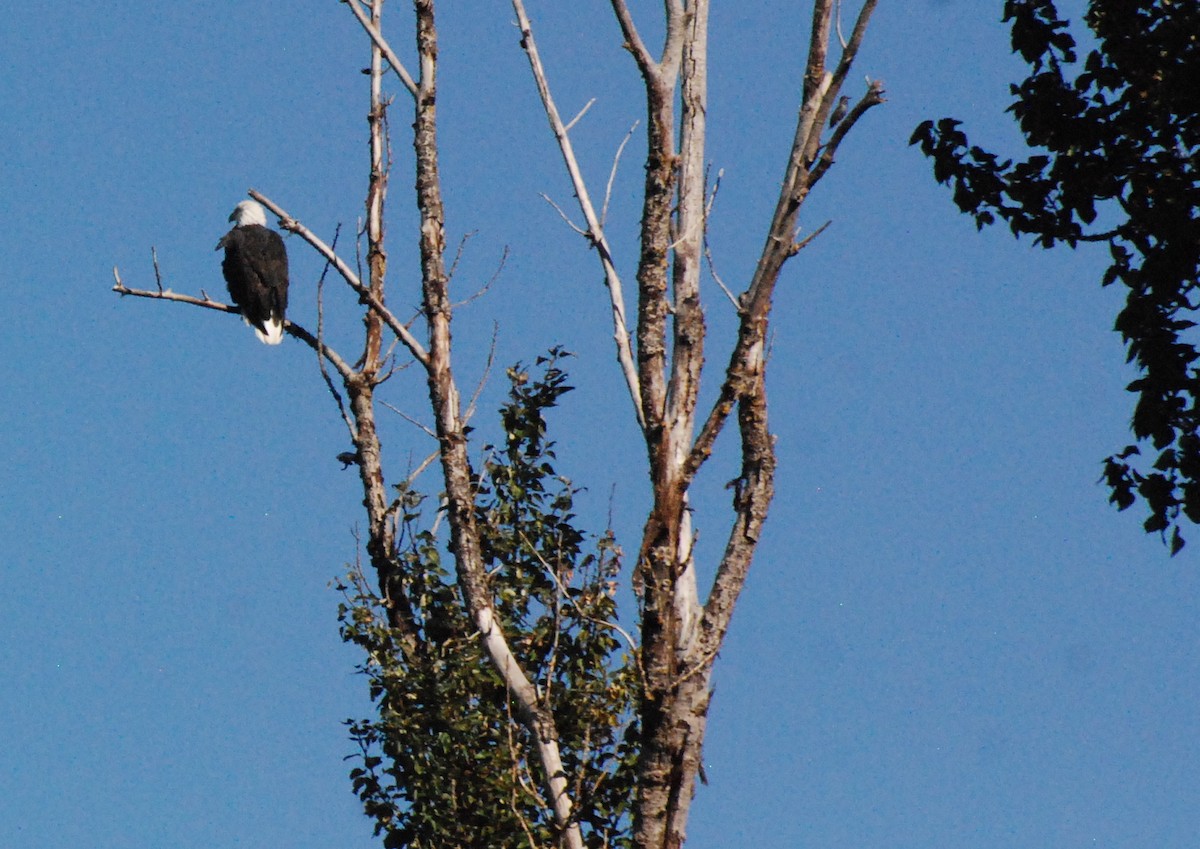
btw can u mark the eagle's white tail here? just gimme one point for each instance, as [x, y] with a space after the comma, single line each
[274, 334]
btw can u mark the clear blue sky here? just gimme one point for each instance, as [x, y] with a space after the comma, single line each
[949, 638]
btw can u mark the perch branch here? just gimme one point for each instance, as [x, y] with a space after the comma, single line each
[289, 326]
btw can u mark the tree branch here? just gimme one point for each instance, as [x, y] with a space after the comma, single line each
[633, 41]
[290, 327]
[612, 174]
[753, 491]
[595, 229]
[337, 396]
[780, 244]
[384, 47]
[687, 353]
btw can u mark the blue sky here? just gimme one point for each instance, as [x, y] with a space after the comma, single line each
[949, 638]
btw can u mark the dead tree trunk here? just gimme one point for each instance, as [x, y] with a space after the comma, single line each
[680, 636]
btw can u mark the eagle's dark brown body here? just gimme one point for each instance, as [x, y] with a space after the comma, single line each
[256, 272]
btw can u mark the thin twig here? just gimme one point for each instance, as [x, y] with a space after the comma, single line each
[157, 273]
[712, 269]
[167, 295]
[422, 466]
[488, 285]
[462, 245]
[412, 421]
[393, 509]
[389, 356]
[565, 217]
[582, 111]
[337, 396]
[712, 198]
[612, 174]
[804, 243]
[562, 593]
[487, 371]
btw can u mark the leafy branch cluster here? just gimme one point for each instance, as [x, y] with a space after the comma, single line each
[1120, 135]
[416, 779]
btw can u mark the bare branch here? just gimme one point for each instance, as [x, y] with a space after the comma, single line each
[290, 327]
[612, 174]
[753, 491]
[595, 231]
[581, 113]
[337, 396]
[456, 466]
[341, 366]
[873, 97]
[167, 295]
[412, 421]
[687, 350]
[377, 186]
[818, 48]
[462, 246]
[157, 273]
[633, 41]
[384, 47]
[483, 379]
[850, 51]
[807, 240]
[422, 466]
[564, 216]
[294, 226]
[712, 269]
[820, 96]
[712, 198]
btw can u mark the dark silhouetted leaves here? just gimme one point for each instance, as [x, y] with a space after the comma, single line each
[1115, 140]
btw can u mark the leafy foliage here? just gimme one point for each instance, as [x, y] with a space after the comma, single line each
[1118, 136]
[444, 764]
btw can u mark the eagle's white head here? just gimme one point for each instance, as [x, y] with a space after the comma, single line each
[248, 212]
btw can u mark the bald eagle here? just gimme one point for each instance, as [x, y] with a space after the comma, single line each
[256, 271]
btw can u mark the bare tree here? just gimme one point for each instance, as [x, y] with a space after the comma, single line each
[661, 360]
